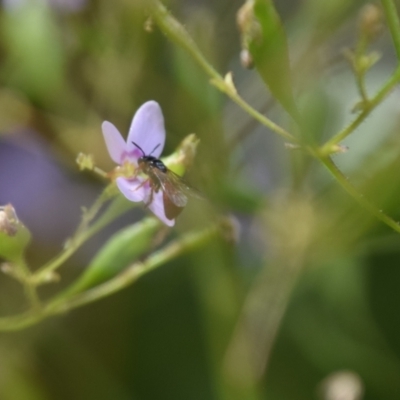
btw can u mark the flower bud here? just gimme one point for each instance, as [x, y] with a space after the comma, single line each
[182, 159]
[14, 237]
[85, 161]
[8, 220]
[246, 59]
[370, 21]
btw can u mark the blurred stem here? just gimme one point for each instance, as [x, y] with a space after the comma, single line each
[178, 35]
[360, 81]
[29, 286]
[330, 145]
[80, 236]
[360, 72]
[392, 18]
[189, 242]
[357, 196]
[20, 271]
[248, 354]
[21, 321]
[32, 295]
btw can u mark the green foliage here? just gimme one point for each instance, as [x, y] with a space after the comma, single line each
[35, 53]
[122, 249]
[302, 281]
[264, 36]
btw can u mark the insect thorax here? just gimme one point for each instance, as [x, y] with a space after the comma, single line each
[147, 163]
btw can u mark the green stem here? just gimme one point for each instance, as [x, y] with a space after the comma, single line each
[330, 145]
[81, 235]
[32, 295]
[21, 321]
[189, 242]
[261, 118]
[23, 275]
[392, 18]
[361, 87]
[178, 35]
[358, 197]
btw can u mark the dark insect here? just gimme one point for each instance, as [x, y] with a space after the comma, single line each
[175, 190]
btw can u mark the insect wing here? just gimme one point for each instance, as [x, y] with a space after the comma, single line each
[173, 187]
[171, 210]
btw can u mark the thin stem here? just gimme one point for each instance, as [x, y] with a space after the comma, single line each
[23, 275]
[357, 196]
[330, 145]
[81, 235]
[359, 73]
[261, 118]
[178, 35]
[135, 271]
[189, 242]
[20, 321]
[392, 18]
[32, 295]
[361, 87]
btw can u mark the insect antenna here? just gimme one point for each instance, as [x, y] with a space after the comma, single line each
[155, 148]
[139, 148]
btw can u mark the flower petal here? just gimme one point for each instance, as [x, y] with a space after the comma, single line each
[147, 130]
[133, 189]
[115, 143]
[157, 207]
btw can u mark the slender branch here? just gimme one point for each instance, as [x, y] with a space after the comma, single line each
[330, 145]
[392, 18]
[357, 196]
[261, 118]
[21, 321]
[81, 235]
[178, 35]
[360, 81]
[32, 295]
[187, 243]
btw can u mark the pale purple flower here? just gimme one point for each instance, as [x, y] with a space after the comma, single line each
[147, 130]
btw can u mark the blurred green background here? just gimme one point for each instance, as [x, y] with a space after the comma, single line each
[313, 279]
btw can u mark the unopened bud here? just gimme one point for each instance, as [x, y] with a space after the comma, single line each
[367, 61]
[245, 16]
[85, 161]
[14, 236]
[182, 159]
[8, 220]
[248, 24]
[51, 277]
[371, 21]
[246, 59]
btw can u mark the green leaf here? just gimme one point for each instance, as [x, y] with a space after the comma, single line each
[319, 112]
[263, 35]
[122, 249]
[34, 57]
